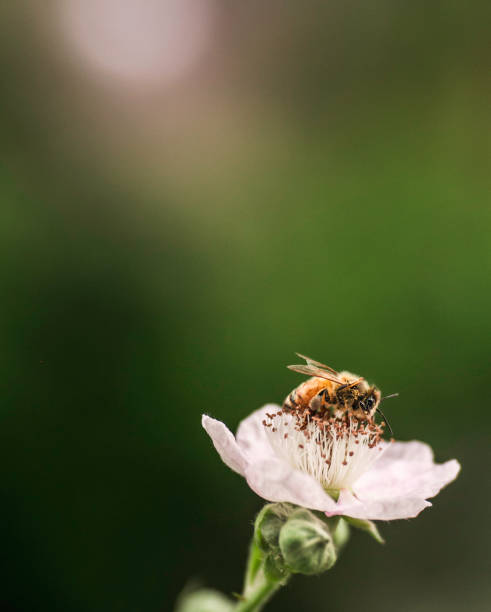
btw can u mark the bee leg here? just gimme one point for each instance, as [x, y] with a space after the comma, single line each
[330, 403]
[343, 410]
[326, 396]
[319, 401]
[316, 403]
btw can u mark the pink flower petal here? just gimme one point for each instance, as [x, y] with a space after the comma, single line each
[251, 434]
[387, 509]
[277, 481]
[269, 476]
[406, 469]
[225, 444]
[398, 484]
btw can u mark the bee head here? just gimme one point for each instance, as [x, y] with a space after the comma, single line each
[369, 401]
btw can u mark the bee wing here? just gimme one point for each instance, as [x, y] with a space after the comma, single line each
[317, 364]
[311, 370]
[353, 383]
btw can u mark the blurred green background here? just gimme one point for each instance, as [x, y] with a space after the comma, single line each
[190, 192]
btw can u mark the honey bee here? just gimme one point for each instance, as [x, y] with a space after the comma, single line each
[334, 394]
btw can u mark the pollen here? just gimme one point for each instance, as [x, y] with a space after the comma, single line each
[335, 451]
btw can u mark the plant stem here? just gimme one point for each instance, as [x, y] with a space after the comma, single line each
[258, 587]
[258, 594]
[253, 565]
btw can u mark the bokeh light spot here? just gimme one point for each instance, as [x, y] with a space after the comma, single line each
[156, 41]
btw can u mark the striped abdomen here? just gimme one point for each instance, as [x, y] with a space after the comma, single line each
[314, 393]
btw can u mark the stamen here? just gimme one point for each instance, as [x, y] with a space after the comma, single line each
[335, 451]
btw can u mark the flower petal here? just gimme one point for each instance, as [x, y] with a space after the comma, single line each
[225, 444]
[251, 434]
[398, 484]
[270, 476]
[277, 481]
[406, 469]
[379, 509]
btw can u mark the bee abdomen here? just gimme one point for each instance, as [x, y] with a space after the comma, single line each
[291, 401]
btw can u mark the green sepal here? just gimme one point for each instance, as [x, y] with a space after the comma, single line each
[338, 528]
[269, 523]
[274, 567]
[367, 526]
[340, 534]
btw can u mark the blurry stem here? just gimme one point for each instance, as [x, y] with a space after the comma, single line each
[253, 565]
[258, 593]
[257, 587]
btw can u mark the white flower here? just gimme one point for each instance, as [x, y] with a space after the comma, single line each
[308, 463]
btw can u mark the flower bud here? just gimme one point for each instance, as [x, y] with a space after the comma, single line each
[306, 544]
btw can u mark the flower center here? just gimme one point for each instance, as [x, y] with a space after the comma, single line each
[335, 451]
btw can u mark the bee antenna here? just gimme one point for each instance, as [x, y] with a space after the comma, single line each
[389, 396]
[385, 419]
